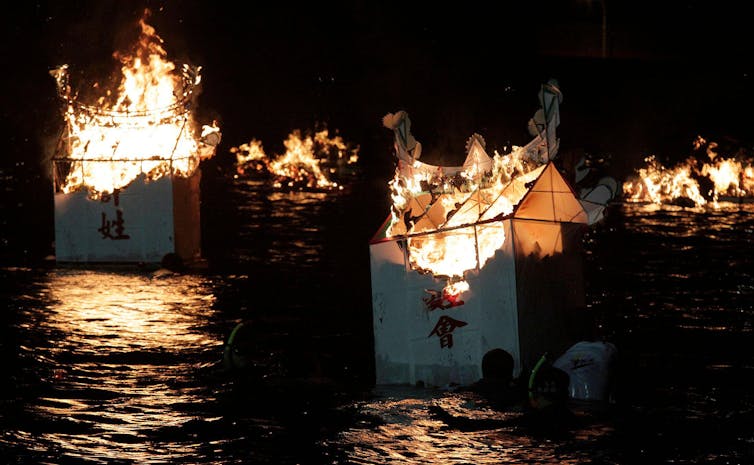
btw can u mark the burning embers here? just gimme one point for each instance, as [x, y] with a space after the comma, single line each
[693, 182]
[310, 162]
[146, 126]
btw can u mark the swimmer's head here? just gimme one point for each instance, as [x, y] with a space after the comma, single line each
[497, 365]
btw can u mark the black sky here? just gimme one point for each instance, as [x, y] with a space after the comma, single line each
[671, 69]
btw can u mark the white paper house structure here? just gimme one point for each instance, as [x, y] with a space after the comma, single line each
[141, 223]
[477, 257]
[126, 174]
[527, 299]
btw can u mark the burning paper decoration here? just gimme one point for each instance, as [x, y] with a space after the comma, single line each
[126, 168]
[316, 162]
[475, 257]
[730, 179]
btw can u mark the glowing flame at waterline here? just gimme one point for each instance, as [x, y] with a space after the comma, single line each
[309, 161]
[723, 177]
[146, 127]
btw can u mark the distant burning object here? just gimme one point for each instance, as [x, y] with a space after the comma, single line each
[126, 168]
[310, 162]
[693, 182]
[475, 257]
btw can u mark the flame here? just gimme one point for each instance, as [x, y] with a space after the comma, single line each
[450, 216]
[145, 127]
[449, 220]
[309, 161]
[725, 176]
[454, 290]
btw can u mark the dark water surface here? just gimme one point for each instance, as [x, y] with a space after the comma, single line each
[121, 365]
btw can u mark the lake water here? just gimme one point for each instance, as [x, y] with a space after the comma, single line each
[110, 365]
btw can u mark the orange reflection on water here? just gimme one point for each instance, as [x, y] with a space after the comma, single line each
[130, 311]
[125, 348]
[406, 432]
[679, 221]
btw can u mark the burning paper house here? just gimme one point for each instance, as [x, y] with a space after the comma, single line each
[126, 168]
[318, 162]
[476, 257]
[698, 181]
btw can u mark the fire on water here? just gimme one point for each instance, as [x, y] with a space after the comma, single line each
[448, 219]
[449, 215]
[309, 162]
[146, 126]
[693, 181]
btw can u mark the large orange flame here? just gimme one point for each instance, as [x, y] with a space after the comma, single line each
[450, 216]
[449, 220]
[145, 127]
[309, 162]
[693, 181]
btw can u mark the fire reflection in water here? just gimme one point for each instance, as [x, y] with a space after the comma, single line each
[281, 228]
[405, 431]
[120, 360]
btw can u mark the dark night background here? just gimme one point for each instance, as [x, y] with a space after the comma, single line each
[668, 73]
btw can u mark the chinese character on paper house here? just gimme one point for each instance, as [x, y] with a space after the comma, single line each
[444, 330]
[441, 300]
[113, 229]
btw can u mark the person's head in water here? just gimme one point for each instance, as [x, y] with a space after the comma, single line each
[548, 386]
[497, 366]
[238, 348]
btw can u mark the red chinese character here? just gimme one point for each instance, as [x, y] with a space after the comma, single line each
[444, 330]
[441, 300]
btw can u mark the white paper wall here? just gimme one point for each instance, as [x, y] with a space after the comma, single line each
[137, 226]
[406, 351]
